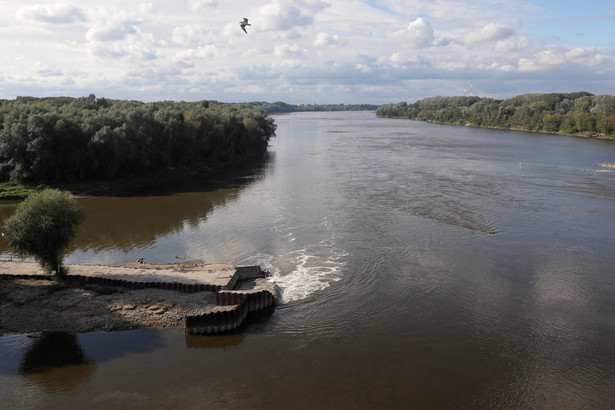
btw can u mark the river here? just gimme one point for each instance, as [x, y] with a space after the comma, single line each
[420, 266]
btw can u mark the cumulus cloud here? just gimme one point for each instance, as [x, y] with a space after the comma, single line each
[117, 34]
[491, 32]
[513, 44]
[292, 43]
[146, 8]
[365, 69]
[110, 31]
[314, 5]
[547, 59]
[195, 53]
[59, 13]
[326, 39]
[202, 4]
[275, 16]
[288, 51]
[403, 60]
[397, 59]
[189, 35]
[418, 34]
[135, 48]
[112, 25]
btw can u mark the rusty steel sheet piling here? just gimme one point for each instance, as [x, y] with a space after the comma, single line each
[219, 321]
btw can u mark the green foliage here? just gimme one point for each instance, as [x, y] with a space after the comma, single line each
[62, 139]
[578, 113]
[11, 190]
[43, 226]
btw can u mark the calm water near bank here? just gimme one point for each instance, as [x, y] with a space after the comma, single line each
[420, 265]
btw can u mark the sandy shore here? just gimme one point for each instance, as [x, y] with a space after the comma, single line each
[36, 305]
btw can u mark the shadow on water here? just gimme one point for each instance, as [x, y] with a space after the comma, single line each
[136, 221]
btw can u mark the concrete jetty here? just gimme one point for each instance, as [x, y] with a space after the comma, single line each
[233, 306]
[201, 276]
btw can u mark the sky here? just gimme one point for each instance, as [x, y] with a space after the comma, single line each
[305, 51]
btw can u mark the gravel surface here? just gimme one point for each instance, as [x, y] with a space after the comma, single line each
[32, 305]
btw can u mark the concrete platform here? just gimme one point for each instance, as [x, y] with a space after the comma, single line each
[220, 275]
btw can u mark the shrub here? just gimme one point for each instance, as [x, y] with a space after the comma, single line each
[43, 226]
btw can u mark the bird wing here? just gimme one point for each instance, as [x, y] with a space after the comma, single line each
[244, 28]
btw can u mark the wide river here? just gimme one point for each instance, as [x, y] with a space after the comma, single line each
[420, 266]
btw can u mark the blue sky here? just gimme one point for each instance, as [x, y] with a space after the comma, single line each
[583, 23]
[310, 51]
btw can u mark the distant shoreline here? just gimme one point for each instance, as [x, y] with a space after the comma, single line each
[576, 114]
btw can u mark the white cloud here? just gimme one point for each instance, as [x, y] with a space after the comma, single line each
[275, 16]
[397, 59]
[202, 4]
[513, 44]
[364, 68]
[288, 51]
[490, 32]
[59, 13]
[116, 34]
[189, 35]
[314, 5]
[326, 39]
[110, 32]
[545, 60]
[112, 25]
[341, 51]
[418, 34]
[189, 55]
[145, 8]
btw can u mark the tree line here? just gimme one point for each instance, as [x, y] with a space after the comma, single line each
[282, 107]
[579, 113]
[59, 139]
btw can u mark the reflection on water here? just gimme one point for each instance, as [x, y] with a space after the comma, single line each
[222, 341]
[56, 361]
[64, 363]
[117, 227]
[52, 349]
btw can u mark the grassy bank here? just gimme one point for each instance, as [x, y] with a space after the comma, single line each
[14, 191]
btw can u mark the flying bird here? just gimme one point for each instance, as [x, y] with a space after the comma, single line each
[243, 24]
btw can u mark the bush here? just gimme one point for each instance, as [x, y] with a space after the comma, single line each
[43, 226]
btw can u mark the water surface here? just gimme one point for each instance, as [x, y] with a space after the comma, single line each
[420, 265]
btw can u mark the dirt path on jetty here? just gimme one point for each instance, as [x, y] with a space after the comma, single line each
[35, 305]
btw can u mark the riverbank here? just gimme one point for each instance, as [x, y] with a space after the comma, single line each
[38, 303]
[522, 129]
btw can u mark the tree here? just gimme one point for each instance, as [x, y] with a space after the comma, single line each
[43, 226]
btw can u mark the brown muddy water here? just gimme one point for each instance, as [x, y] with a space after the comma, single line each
[420, 266]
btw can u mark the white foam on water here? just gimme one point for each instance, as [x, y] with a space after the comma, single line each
[301, 272]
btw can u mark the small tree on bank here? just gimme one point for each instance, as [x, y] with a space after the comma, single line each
[43, 226]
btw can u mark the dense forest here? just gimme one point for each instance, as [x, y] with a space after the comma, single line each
[579, 113]
[64, 139]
